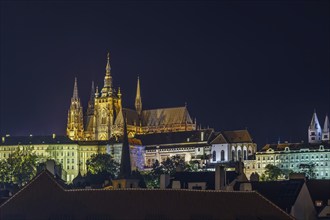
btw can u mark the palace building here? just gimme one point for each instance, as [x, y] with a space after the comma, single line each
[104, 115]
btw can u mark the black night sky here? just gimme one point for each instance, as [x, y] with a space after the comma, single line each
[259, 65]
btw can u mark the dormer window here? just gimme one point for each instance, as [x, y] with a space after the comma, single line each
[321, 147]
[286, 148]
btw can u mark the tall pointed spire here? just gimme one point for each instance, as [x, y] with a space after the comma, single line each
[138, 100]
[107, 89]
[92, 96]
[75, 89]
[108, 68]
[125, 165]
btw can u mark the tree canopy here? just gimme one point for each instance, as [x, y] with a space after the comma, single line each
[103, 163]
[19, 168]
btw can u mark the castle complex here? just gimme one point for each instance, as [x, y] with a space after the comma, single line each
[105, 115]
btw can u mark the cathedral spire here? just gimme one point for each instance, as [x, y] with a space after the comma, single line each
[138, 100]
[107, 89]
[75, 89]
[108, 68]
[92, 96]
[125, 165]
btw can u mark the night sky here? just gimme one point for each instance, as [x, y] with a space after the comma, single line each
[260, 65]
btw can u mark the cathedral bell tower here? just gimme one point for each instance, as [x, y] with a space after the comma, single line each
[106, 106]
[314, 130]
[75, 129]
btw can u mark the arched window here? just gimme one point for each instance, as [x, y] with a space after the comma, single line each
[239, 155]
[214, 156]
[233, 156]
[244, 155]
[222, 155]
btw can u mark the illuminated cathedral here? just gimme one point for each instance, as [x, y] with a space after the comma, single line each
[105, 115]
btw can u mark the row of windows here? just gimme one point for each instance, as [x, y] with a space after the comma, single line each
[292, 157]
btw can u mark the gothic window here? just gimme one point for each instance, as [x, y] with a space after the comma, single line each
[222, 155]
[214, 156]
[239, 154]
[233, 155]
[244, 155]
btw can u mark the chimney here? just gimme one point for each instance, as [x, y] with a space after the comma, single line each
[220, 175]
[164, 181]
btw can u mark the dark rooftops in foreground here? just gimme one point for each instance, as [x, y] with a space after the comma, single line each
[43, 198]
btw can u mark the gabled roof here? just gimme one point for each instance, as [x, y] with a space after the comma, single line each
[237, 136]
[43, 198]
[27, 140]
[166, 116]
[174, 137]
[220, 139]
[319, 190]
[282, 193]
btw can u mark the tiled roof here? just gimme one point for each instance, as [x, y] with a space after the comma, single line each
[155, 117]
[43, 198]
[294, 146]
[174, 137]
[166, 116]
[27, 140]
[219, 139]
[282, 193]
[237, 136]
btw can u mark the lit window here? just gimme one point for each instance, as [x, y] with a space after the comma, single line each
[318, 203]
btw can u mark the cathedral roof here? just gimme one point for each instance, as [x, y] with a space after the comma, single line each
[237, 136]
[28, 140]
[155, 117]
[166, 116]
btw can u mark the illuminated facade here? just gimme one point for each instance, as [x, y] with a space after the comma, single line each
[292, 156]
[297, 157]
[104, 115]
[231, 146]
[71, 155]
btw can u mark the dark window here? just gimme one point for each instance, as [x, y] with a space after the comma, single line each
[119, 185]
[239, 154]
[233, 155]
[214, 155]
[222, 155]
[312, 133]
[244, 155]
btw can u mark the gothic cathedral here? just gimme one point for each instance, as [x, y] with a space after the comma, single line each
[105, 116]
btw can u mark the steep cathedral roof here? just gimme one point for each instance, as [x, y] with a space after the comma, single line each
[155, 117]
